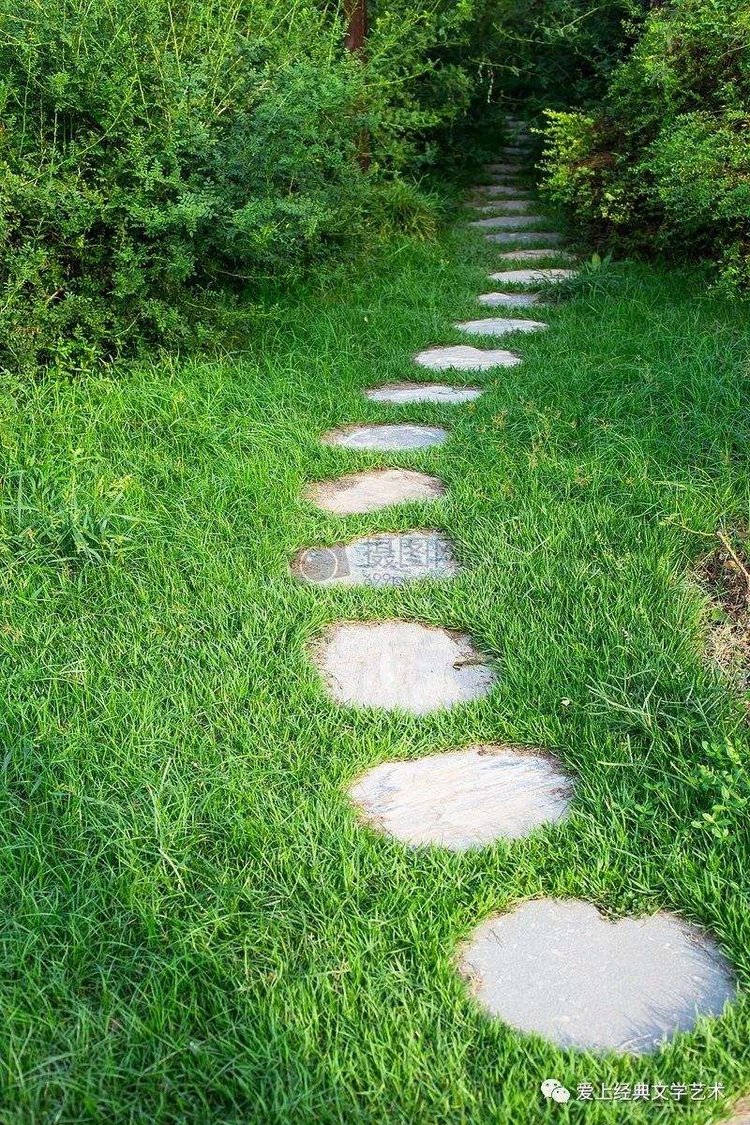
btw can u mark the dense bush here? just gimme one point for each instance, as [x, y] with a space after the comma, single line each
[154, 150]
[663, 162]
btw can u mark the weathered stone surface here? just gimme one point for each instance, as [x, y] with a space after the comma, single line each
[500, 326]
[560, 969]
[741, 1114]
[509, 300]
[463, 358]
[386, 437]
[502, 207]
[503, 167]
[501, 191]
[506, 222]
[423, 392]
[401, 665]
[524, 238]
[539, 255]
[532, 277]
[358, 493]
[465, 799]
[378, 560]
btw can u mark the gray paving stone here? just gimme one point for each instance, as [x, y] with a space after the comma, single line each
[378, 560]
[560, 969]
[466, 798]
[539, 255]
[509, 300]
[503, 167]
[506, 222]
[538, 276]
[358, 493]
[400, 665]
[501, 191]
[461, 357]
[499, 326]
[524, 238]
[503, 207]
[386, 437]
[423, 392]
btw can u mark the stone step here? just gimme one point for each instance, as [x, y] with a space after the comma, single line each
[499, 326]
[532, 277]
[400, 665]
[497, 191]
[464, 799]
[538, 255]
[560, 969]
[507, 222]
[378, 560]
[509, 300]
[463, 358]
[507, 207]
[550, 238]
[503, 167]
[423, 392]
[388, 438]
[359, 493]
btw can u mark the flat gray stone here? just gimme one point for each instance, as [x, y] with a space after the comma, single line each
[378, 560]
[463, 358]
[741, 1113]
[524, 237]
[464, 799]
[562, 970]
[539, 255]
[503, 167]
[499, 191]
[386, 437]
[503, 207]
[500, 326]
[358, 493]
[400, 665]
[509, 300]
[506, 222]
[532, 277]
[423, 392]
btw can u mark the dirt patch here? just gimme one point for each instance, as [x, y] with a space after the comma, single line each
[725, 577]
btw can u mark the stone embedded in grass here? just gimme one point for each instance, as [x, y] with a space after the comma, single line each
[498, 191]
[378, 560]
[466, 798]
[499, 326]
[560, 969]
[359, 493]
[740, 1115]
[423, 392]
[524, 237]
[532, 277]
[503, 167]
[388, 438]
[503, 207]
[538, 255]
[506, 222]
[509, 300]
[401, 665]
[463, 358]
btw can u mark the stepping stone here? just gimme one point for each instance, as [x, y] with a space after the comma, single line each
[499, 326]
[503, 207]
[423, 392]
[538, 255]
[506, 222]
[517, 150]
[523, 238]
[532, 277]
[562, 970]
[400, 665]
[503, 168]
[386, 438]
[463, 358]
[378, 560]
[499, 191]
[509, 300]
[741, 1114]
[369, 492]
[465, 799]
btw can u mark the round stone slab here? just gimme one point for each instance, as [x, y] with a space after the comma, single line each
[423, 392]
[500, 326]
[386, 438]
[506, 222]
[463, 358]
[532, 277]
[370, 492]
[464, 799]
[523, 237]
[378, 560]
[509, 300]
[560, 969]
[401, 665]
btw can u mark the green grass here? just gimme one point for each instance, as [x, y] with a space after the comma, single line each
[194, 927]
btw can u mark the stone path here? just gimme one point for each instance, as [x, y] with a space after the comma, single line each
[555, 968]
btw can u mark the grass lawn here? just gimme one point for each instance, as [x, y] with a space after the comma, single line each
[195, 928]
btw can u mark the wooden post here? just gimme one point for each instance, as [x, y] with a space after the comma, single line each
[356, 18]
